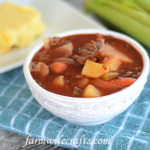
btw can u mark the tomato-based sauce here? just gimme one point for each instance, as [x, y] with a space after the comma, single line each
[86, 65]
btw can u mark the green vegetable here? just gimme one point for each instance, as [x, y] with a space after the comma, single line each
[126, 15]
[132, 11]
[76, 92]
[144, 3]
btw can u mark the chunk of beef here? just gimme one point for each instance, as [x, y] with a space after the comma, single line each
[81, 59]
[94, 50]
[49, 42]
[41, 68]
[91, 46]
[100, 48]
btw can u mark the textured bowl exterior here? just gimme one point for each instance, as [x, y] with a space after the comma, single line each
[89, 111]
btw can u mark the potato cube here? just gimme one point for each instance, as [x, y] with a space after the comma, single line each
[59, 81]
[91, 91]
[93, 70]
[113, 63]
[111, 51]
[65, 50]
[110, 75]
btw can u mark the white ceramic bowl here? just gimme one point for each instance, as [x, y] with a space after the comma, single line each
[89, 111]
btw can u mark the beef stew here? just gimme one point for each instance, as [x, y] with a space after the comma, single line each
[86, 65]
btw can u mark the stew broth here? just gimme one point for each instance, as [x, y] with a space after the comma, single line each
[61, 65]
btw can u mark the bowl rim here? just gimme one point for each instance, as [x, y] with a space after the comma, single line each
[59, 97]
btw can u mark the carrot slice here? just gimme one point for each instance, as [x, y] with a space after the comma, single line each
[106, 85]
[58, 67]
[115, 84]
[123, 82]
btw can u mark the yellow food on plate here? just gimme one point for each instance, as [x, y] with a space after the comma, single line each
[19, 26]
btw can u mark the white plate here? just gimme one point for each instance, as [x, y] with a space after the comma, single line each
[58, 16]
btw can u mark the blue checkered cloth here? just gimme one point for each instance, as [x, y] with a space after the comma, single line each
[20, 113]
